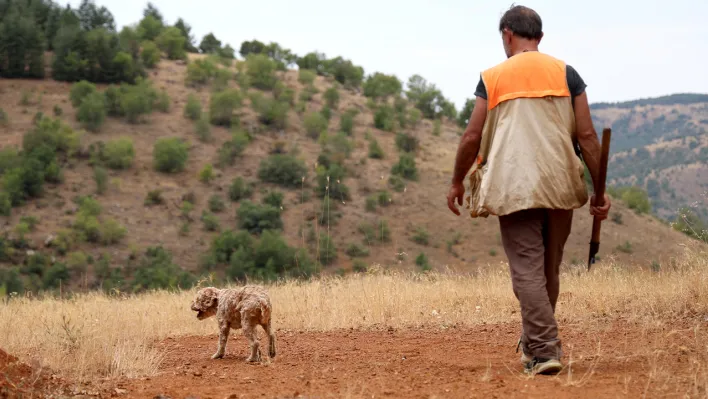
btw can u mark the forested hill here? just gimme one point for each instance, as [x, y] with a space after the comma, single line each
[661, 145]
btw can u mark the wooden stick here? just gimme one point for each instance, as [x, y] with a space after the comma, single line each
[600, 194]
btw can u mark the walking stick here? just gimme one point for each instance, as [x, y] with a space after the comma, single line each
[599, 195]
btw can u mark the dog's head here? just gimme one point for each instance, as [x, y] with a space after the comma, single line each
[205, 302]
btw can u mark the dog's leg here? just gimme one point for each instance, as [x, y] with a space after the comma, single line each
[224, 329]
[271, 338]
[249, 330]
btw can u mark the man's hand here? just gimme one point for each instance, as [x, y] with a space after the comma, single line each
[457, 191]
[600, 211]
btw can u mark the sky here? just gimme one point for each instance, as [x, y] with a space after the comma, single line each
[624, 50]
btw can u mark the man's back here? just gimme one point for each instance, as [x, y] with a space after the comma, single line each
[528, 136]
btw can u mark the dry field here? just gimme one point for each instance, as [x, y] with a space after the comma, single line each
[627, 332]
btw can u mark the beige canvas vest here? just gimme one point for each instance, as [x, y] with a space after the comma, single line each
[526, 158]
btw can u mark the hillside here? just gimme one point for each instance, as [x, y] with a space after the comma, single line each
[661, 145]
[418, 219]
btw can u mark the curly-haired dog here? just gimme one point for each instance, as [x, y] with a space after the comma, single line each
[244, 307]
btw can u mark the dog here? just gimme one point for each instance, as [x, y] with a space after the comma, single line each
[234, 308]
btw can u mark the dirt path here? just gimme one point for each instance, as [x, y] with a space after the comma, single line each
[610, 360]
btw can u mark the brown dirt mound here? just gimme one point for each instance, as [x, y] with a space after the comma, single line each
[19, 380]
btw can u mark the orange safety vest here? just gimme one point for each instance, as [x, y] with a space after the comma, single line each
[527, 157]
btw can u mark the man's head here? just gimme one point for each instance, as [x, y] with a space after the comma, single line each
[521, 29]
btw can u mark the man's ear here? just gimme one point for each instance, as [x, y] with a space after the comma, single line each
[539, 39]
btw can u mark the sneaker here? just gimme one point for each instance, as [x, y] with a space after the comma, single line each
[525, 358]
[543, 366]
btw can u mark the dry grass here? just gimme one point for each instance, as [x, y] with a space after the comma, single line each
[98, 335]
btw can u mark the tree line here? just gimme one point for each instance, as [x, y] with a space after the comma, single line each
[86, 45]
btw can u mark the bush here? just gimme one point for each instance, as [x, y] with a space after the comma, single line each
[193, 108]
[261, 71]
[119, 153]
[211, 222]
[282, 169]
[137, 101]
[405, 167]
[222, 106]
[422, 261]
[274, 199]
[203, 130]
[421, 236]
[100, 176]
[170, 155]
[270, 112]
[163, 102]
[207, 174]
[172, 42]
[216, 204]
[331, 181]
[113, 100]
[437, 127]
[257, 218]
[111, 232]
[239, 189]
[199, 72]
[636, 199]
[315, 124]
[4, 119]
[233, 148]
[150, 54]
[375, 150]
[328, 251]
[406, 142]
[156, 271]
[92, 111]
[5, 204]
[306, 77]
[376, 232]
[331, 97]
[58, 111]
[346, 122]
[154, 197]
[79, 91]
[384, 118]
[355, 251]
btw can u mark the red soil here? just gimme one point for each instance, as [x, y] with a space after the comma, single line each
[609, 359]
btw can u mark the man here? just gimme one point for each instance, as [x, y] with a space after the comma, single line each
[530, 115]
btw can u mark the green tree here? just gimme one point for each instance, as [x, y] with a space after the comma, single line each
[465, 113]
[22, 44]
[186, 31]
[209, 44]
[172, 42]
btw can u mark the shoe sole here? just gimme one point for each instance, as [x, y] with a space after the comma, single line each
[547, 368]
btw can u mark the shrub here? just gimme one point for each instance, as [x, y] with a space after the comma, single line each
[327, 250]
[170, 155]
[137, 101]
[359, 266]
[371, 203]
[261, 71]
[306, 76]
[376, 232]
[636, 199]
[222, 106]
[270, 112]
[216, 203]
[172, 42]
[203, 130]
[211, 222]
[207, 174]
[375, 150]
[397, 183]
[315, 124]
[274, 198]
[193, 108]
[154, 197]
[406, 142]
[331, 97]
[157, 271]
[384, 118]
[355, 251]
[346, 122]
[58, 111]
[381, 85]
[79, 91]
[5, 204]
[421, 236]
[111, 232]
[150, 54]
[414, 117]
[92, 111]
[405, 167]
[257, 218]
[331, 181]
[199, 72]
[383, 198]
[239, 189]
[282, 169]
[233, 148]
[437, 126]
[100, 176]
[119, 153]
[422, 261]
[326, 112]
[112, 97]
[163, 102]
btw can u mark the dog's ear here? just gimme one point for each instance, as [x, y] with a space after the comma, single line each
[210, 297]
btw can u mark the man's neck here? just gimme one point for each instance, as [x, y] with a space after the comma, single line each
[524, 46]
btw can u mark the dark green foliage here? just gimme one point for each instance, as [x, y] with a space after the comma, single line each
[271, 112]
[79, 91]
[211, 222]
[203, 129]
[186, 31]
[256, 218]
[222, 106]
[240, 189]
[92, 111]
[465, 113]
[346, 122]
[378, 232]
[356, 251]
[156, 270]
[306, 77]
[154, 197]
[380, 85]
[330, 181]
[22, 42]
[315, 124]
[118, 154]
[150, 54]
[385, 118]
[209, 44]
[274, 199]
[331, 97]
[282, 169]
[327, 250]
[193, 108]
[406, 142]
[375, 150]
[170, 155]
[100, 176]
[233, 148]
[422, 262]
[261, 71]
[162, 102]
[172, 42]
[199, 72]
[406, 167]
[216, 203]
[428, 98]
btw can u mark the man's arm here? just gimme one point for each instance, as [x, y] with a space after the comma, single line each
[467, 153]
[469, 143]
[587, 137]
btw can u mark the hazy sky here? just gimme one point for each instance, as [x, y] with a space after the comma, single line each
[623, 49]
